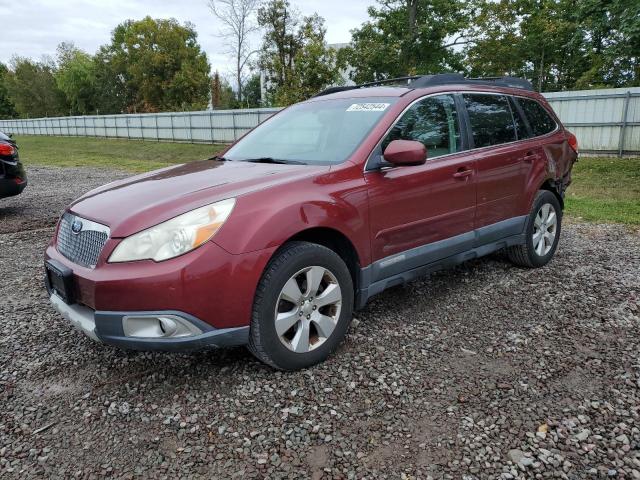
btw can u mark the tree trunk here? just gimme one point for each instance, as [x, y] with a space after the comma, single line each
[541, 71]
[239, 74]
[412, 13]
[412, 8]
[283, 46]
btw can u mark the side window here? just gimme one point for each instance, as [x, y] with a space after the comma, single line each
[433, 122]
[490, 118]
[521, 127]
[540, 121]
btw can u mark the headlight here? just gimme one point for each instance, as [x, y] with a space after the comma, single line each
[176, 236]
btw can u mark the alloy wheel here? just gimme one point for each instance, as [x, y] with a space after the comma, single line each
[545, 228]
[308, 309]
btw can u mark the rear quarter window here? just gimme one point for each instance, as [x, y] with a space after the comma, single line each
[539, 119]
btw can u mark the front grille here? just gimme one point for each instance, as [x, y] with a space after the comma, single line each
[83, 247]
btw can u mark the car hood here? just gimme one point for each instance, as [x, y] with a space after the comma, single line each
[133, 204]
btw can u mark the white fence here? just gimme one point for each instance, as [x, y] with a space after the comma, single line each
[219, 126]
[605, 122]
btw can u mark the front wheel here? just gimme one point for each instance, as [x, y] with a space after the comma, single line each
[542, 232]
[302, 308]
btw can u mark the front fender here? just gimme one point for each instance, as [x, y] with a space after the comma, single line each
[268, 218]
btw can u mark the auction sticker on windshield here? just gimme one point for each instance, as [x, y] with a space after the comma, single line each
[368, 107]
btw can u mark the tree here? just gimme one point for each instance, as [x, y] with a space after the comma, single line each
[557, 44]
[294, 57]
[551, 43]
[237, 17]
[612, 33]
[222, 95]
[253, 92]
[76, 77]
[228, 98]
[153, 65]
[408, 37]
[315, 63]
[216, 92]
[280, 44]
[7, 109]
[495, 50]
[112, 93]
[32, 88]
[536, 39]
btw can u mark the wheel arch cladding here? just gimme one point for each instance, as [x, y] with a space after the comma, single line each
[553, 186]
[334, 240]
[546, 183]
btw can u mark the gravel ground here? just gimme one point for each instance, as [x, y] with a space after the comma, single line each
[485, 371]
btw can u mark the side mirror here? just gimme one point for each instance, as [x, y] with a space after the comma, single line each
[405, 152]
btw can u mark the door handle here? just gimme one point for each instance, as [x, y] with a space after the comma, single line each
[463, 173]
[530, 156]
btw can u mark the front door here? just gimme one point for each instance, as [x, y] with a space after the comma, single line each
[419, 214]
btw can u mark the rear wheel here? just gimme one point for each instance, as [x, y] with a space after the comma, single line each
[542, 232]
[302, 308]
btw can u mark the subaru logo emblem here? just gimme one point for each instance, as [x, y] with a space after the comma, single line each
[76, 226]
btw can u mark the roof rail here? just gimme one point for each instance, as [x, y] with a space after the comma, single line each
[386, 81]
[422, 81]
[408, 80]
[451, 78]
[513, 82]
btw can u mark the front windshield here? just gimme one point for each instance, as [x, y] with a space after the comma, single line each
[319, 133]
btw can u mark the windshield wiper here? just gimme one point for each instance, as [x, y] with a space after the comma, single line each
[273, 160]
[220, 159]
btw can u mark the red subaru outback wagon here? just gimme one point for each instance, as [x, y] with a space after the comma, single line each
[274, 243]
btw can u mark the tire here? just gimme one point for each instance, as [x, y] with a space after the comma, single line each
[533, 253]
[301, 264]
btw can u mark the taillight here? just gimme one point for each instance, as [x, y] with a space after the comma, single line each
[6, 149]
[573, 142]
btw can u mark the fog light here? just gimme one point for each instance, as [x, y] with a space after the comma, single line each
[158, 326]
[168, 326]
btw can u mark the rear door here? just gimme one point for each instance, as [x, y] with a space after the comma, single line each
[423, 205]
[500, 160]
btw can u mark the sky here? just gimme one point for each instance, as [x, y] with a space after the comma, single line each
[33, 28]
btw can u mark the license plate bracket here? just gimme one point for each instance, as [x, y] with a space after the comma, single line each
[60, 279]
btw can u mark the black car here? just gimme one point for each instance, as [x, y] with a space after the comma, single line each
[13, 178]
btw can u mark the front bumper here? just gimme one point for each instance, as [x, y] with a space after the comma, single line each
[208, 284]
[108, 327]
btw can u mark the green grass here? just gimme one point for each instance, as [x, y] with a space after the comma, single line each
[131, 155]
[603, 189]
